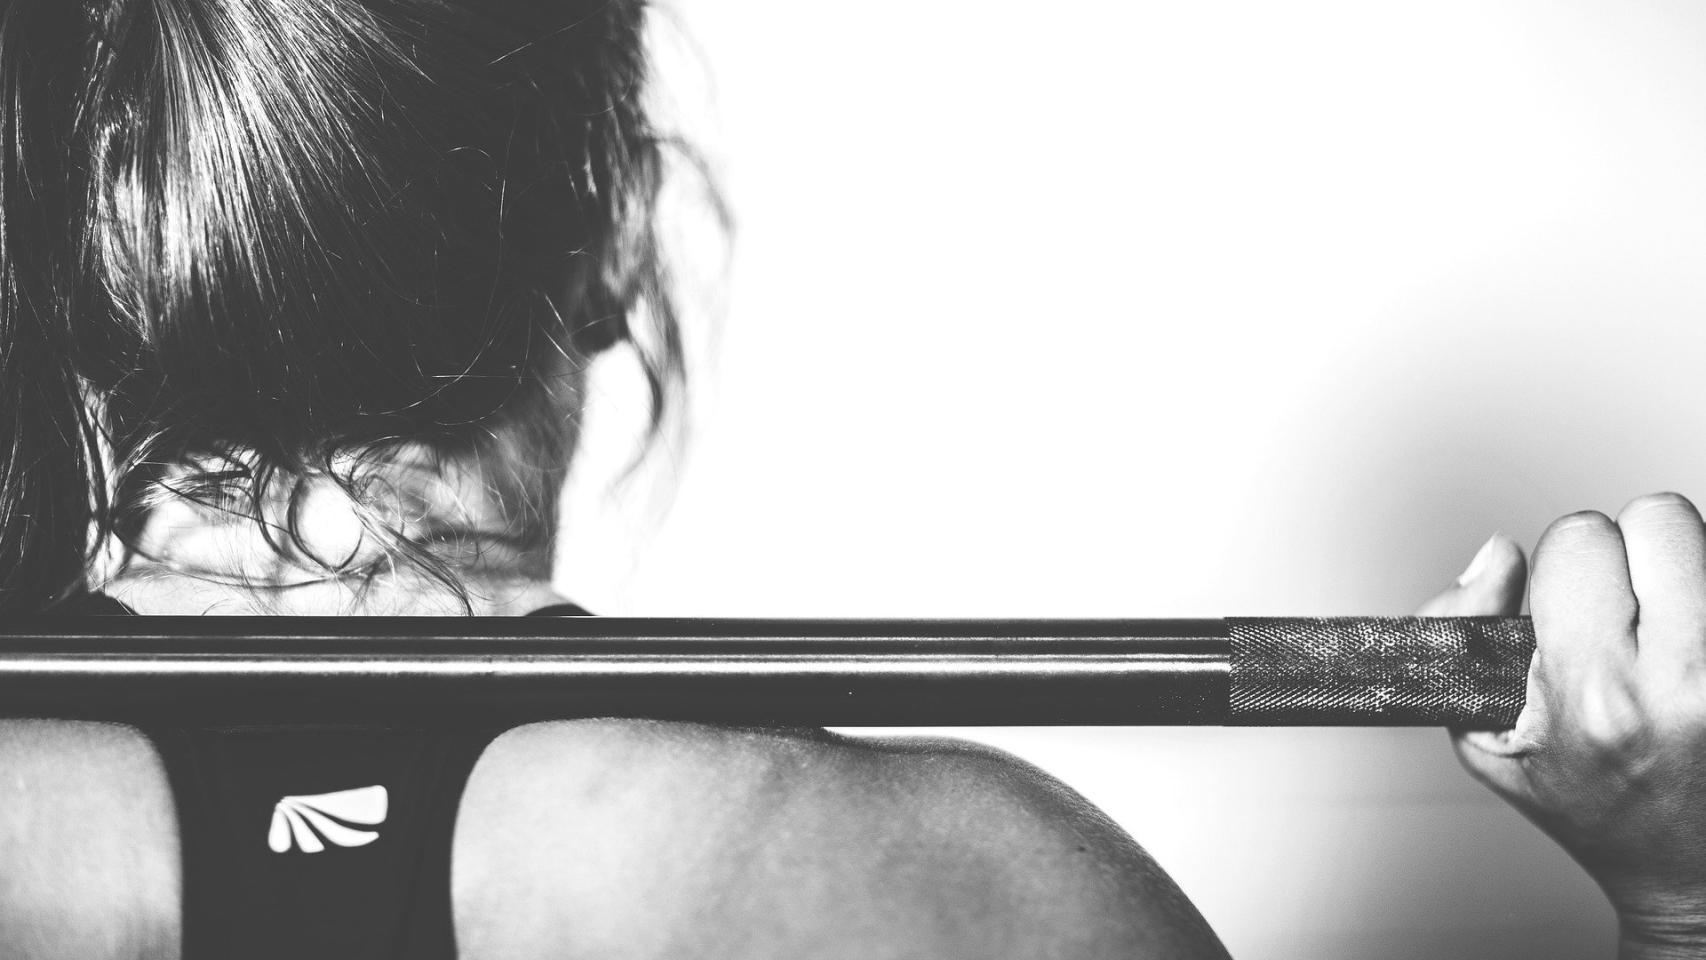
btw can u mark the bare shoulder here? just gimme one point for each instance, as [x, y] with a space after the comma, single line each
[88, 843]
[637, 839]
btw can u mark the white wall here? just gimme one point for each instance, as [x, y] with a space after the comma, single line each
[1211, 308]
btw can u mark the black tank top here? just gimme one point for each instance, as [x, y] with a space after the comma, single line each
[323, 841]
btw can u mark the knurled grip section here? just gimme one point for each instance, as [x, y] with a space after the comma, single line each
[1423, 671]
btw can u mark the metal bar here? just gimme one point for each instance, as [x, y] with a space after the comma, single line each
[462, 670]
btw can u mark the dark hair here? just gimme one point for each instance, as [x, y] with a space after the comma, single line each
[291, 237]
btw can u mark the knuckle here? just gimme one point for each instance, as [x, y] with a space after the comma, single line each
[1660, 508]
[1585, 536]
[1610, 721]
[1584, 530]
[1580, 523]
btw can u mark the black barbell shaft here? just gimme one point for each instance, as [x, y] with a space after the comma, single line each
[1357, 671]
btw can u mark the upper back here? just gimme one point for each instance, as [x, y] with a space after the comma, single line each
[89, 864]
[636, 840]
[628, 840]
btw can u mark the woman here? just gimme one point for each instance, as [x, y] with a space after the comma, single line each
[297, 299]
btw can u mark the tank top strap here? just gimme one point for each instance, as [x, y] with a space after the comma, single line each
[329, 841]
[562, 610]
[317, 840]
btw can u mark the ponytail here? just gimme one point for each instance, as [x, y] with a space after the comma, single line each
[284, 235]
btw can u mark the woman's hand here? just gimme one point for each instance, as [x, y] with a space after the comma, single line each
[1609, 754]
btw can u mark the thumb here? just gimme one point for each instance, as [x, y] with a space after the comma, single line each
[1491, 586]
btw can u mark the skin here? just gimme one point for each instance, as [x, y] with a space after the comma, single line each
[619, 840]
[1609, 753]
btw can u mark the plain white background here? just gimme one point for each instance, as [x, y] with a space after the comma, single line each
[1188, 309]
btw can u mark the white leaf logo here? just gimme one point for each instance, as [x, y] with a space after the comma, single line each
[303, 821]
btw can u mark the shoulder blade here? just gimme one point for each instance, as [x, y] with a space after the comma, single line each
[634, 839]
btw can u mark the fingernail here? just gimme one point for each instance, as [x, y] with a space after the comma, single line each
[1478, 565]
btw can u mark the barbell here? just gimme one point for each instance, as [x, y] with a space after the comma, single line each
[1462, 671]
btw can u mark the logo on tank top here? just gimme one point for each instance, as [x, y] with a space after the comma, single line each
[308, 823]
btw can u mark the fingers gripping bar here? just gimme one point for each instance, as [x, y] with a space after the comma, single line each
[1245, 671]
